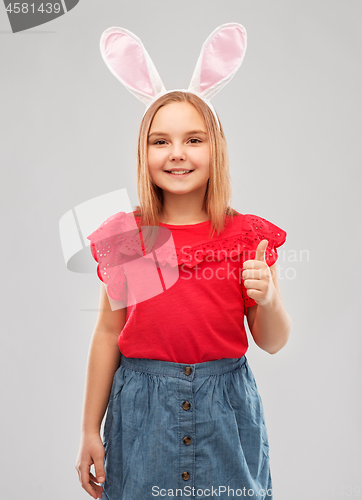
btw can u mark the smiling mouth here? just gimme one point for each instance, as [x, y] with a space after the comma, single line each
[175, 173]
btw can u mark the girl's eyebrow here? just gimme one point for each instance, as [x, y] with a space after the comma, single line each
[186, 133]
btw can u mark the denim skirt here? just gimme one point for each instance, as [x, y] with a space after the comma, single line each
[185, 430]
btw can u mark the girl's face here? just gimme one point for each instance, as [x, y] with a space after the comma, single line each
[178, 140]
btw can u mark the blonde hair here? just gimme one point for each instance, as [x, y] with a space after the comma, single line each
[218, 190]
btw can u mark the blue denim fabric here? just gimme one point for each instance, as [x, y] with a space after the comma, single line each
[226, 454]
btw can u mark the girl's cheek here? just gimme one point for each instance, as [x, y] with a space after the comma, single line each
[152, 158]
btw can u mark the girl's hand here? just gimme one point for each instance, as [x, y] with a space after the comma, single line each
[257, 277]
[91, 451]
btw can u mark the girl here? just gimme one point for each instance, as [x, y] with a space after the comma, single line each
[184, 414]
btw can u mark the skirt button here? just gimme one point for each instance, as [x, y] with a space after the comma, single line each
[185, 475]
[187, 440]
[187, 370]
[186, 405]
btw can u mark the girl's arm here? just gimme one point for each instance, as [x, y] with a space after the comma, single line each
[270, 324]
[103, 361]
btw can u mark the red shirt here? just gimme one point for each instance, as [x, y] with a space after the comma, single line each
[185, 301]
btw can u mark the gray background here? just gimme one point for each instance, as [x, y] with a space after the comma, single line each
[292, 117]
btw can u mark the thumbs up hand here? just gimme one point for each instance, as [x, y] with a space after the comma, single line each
[257, 277]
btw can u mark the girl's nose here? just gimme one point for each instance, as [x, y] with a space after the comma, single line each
[177, 154]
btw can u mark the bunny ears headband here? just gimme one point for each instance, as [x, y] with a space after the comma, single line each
[221, 56]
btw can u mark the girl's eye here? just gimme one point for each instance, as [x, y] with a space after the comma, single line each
[161, 140]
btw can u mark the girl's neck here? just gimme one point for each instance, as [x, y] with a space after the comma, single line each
[178, 218]
[183, 209]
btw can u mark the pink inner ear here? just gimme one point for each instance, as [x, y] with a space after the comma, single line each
[221, 56]
[126, 57]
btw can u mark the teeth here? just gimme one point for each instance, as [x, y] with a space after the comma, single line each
[178, 171]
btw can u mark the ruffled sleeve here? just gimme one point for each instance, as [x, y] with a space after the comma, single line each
[109, 243]
[256, 229]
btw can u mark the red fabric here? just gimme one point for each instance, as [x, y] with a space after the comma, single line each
[201, 316]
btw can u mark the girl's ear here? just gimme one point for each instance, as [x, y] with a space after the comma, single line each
[124, 54]
[221, 56]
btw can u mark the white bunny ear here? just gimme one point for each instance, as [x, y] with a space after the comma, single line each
[124, 54]
[220, 58]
